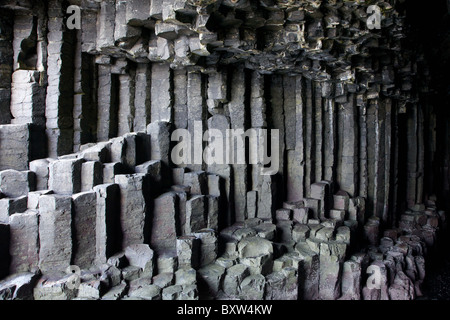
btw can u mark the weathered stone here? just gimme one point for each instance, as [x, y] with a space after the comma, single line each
[107, 221]
[186, 277]
[41, 170]
[210, 279]
[337, 214]
[378, 289]
[371, 229]
[28, 144]
[284, 231]
[33, 198]
[110, 275]
[252, 201]
[300, 232]
[164, 232]
[9, 207]
[24, 241]
[283, 215]
[257, 254]
[147, 292]
[282, 285]
[195, 214]
[91, 175]
[18, 286]
[152, 167]
[118, 260]
[15, 184]
[55, 233]
[167, 262]
[161, 97]
[351, 281]
[266, 231]
[197, 181]
[65, 176]
[84, 215]
[139, 283]
[163, 280]
[212, 219]
[110, 170]
[130, 273]
[341, 200]
[91, 289]
[325, 234]
[252, 287]
[331, 256]
[233, 279]
[402, 288]
[133, 207]
[51, 288]
[188, 250]
[208, 246]
[140, 255]
[116, 292]
[315, 206]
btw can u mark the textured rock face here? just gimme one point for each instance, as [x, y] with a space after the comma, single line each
[349, 213]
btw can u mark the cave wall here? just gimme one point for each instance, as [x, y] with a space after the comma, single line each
[352, 106]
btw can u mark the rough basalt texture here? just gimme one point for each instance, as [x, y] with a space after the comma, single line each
[93, 205]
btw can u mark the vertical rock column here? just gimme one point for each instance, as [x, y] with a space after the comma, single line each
[196, 115]
[106, 24]
[329, 117]
[412, 152]
[163, 234]
[108, 232]
[60, 90]
[238, 117]
[108, 85]
[318, 132]
[220, 124]
[387, 160]
[363, 145]
[55, 232]
[348, 148]
[296, 157]
[84, 228]
[85, 100]
[126, 112]
[142, 97]
[180, 108]
[24, 241]
[27, 92]
[375, 155]
[133, 207]
[309, 140]
[161, 92]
